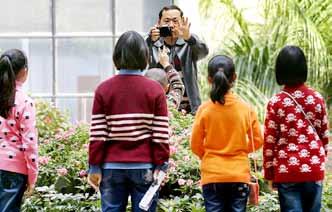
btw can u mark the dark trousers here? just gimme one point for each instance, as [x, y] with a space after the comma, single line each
[300, 197]
[118, 184]
[225, 197]
[12, 187]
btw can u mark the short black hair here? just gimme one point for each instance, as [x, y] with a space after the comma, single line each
[291, 66]
[170, 7]
[131, 52]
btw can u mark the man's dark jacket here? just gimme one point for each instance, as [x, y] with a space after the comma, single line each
[188, 52]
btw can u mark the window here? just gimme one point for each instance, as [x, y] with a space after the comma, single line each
[69, 43]
[39, 53]
[79, 59]
[21, 16]
[83, 16]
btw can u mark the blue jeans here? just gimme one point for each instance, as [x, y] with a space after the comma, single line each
[118, 184]
[220, 197]
[12, 187]
[300, 197]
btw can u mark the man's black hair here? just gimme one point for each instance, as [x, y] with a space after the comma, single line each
[171, 7]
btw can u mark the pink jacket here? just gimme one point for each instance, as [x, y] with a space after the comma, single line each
[19, 138]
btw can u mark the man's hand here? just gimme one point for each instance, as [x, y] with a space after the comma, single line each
[154, 33]
[94, 180]
[184, 28]
[29, 190]
[163, 57]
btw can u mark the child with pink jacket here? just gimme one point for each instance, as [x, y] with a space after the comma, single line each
[18, 134]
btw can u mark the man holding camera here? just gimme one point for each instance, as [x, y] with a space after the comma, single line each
[173, 32]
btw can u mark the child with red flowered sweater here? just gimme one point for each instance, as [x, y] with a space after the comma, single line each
[296, 136]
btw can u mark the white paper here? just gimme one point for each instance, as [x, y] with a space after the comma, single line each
[146, 201]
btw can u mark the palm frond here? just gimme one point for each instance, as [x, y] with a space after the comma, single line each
[251, 94]
[254, 47]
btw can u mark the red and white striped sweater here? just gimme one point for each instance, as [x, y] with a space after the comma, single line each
[129, 122]
[293, 151]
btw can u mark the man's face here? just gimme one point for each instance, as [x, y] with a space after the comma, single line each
[171, 18]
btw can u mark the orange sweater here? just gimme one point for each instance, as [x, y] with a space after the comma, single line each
[220, 138]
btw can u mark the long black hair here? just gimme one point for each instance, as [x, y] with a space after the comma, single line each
[221, 71]
[11, 63]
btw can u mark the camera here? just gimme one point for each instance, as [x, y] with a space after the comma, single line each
[165, 31]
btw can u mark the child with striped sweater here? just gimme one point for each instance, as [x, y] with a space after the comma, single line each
[129, 129]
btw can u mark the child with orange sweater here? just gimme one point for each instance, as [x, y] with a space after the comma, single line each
[222, 138]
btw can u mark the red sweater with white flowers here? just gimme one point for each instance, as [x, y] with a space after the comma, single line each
[293, 151]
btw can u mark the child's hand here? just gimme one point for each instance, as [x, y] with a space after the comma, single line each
[155, 177]
[94, 180]
[29, 190]
[271, 186]
[159, 168]
[163, 57]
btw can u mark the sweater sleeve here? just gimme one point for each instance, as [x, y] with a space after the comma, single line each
[160, 132]
[271, 135]
[256, 136]
[199, 48]
[176, 91]
[98, 132]
[198, 135]
[30, 140]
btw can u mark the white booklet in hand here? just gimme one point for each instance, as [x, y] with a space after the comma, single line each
[146, 201]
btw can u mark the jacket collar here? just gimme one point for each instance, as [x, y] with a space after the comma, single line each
[130, 72]
[295, 87]
[159, 43]
[19, 85]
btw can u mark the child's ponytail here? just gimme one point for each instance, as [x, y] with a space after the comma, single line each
[11, 63]
[7, 86]
[221, 73]
[220, 86]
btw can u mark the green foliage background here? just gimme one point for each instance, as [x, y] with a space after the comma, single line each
[255, 45]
